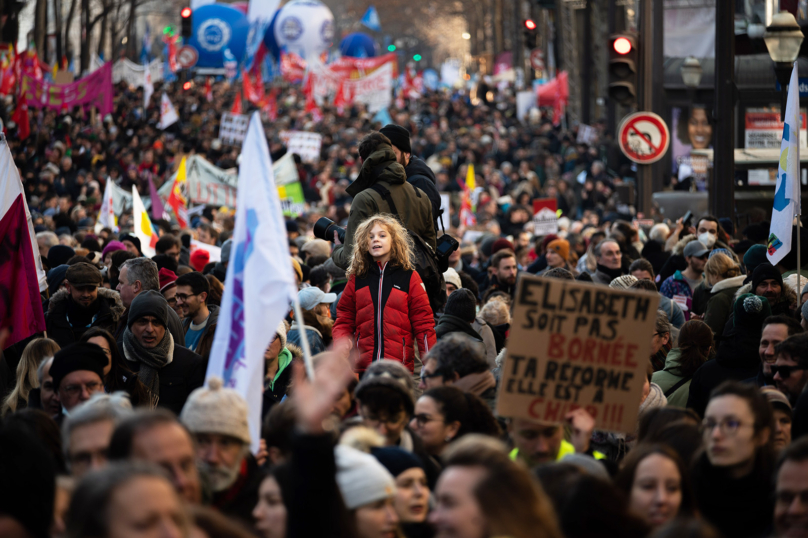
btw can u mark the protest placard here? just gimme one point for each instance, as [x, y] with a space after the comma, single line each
[545, 218]
[304, 143]
[233, 128]
[577, 345]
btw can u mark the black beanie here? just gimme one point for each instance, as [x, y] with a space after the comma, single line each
[398, 135]
[135, 241]
[765, 271]
[461, 303]
[75, 357]
[395, 459]
[148, 303]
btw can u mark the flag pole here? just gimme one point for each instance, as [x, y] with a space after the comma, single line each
[304, 341]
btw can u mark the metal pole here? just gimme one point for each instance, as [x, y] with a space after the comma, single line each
[586, 75]
[646, 100]
[304, 341]
[722, 190]
[611, 121]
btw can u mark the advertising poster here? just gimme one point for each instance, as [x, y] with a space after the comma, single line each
[691, 128]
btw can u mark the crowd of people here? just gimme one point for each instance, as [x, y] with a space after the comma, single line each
[109, 427]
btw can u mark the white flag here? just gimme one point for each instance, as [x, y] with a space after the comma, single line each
[260, 283]
[148, 87]
[106, 216]
[168, 115]
[787, 193]
[142, 224]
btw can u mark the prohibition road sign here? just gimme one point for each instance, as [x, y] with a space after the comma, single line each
[536, 60]
[644, 137]
[187, 57]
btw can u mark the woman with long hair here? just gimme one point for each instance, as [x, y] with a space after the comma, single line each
[117, 377]
[695, 343]
[34, 354]
[725, 277]
[445, 414]
[656, 483]
[733, 478]
[482, 493]
[384, 307]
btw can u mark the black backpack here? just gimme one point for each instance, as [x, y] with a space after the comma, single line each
[426, 261]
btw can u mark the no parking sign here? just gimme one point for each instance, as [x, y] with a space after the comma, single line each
[644, 137]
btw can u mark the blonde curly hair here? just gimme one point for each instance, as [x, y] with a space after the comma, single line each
[401, 251]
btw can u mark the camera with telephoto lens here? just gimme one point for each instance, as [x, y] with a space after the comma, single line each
[324, 228]
[445, 246]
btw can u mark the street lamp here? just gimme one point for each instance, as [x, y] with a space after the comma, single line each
[691, 72]
[783, 38]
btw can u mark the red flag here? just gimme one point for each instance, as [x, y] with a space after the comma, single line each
[253, 91]
[340, 99]
[269, 107]
[236, 105]
[311, 103]
[208, 90]
[20, 117]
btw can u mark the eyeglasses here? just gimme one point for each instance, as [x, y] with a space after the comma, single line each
[74, 390]
[785, 371]
[373, 422]
[183, 297]
[729, 426]
[172, 301]
[425, 375]
[424, 419]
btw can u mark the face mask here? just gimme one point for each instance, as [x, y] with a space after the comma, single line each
[707, 239]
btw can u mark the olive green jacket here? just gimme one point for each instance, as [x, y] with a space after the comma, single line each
[412, 204]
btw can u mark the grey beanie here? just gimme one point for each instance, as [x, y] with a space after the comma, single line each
[361, 478]
[461, 303]
[148, 303]
[391, 374]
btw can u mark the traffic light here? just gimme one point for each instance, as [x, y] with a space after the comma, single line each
[623, 64]
[417, 57]
[185, 15]
[391, 48]
[530, 30]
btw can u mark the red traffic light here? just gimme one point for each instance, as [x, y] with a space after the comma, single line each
[530, 24]
[186, 86]
[185, 13]
[622, 45]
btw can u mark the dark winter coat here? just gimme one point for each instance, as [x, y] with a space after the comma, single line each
[184, 374]
[737, 507]
[719, 305]
[421, 176]
[64, 333]
[452, 324]
[385, 312]
[240, 499]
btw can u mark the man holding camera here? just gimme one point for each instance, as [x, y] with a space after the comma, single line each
[380, 167]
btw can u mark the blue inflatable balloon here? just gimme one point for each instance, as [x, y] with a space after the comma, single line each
[215, 28]
[431, 79]
[358, 45]
[269, 38]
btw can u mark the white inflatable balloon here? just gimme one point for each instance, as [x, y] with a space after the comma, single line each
[305, 27]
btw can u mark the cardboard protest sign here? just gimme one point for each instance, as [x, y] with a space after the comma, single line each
[233, 128]
[304, 143]
[572, 345]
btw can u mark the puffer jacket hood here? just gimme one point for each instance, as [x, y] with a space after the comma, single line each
[728, 283]
[673, 362]
[393, 172]
[789, 296]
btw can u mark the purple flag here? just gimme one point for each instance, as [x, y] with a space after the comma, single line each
[156, 202]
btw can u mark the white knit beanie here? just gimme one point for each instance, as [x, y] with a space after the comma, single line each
[361, 478]
[281, 332]
[214, 409]
[452, 277]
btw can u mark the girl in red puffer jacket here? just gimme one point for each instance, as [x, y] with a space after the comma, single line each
[384, 308]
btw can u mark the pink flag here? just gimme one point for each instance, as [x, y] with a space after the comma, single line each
[156, 202]
[21, 274]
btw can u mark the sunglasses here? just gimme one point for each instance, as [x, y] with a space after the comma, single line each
[785, 371]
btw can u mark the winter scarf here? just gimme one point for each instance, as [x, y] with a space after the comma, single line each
[151, 360]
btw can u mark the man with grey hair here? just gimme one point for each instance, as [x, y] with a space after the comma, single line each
[86, 433]
[46, 240]
[609, 261]
[138, 275]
